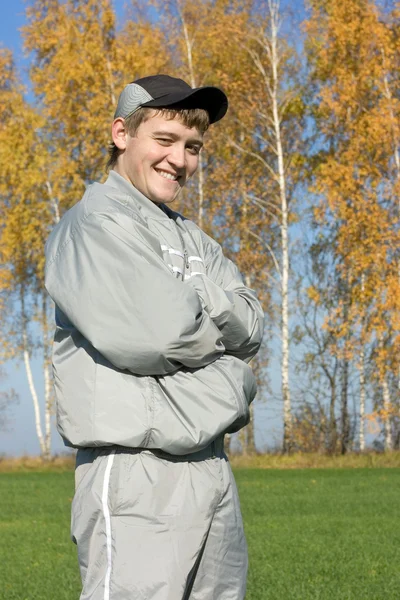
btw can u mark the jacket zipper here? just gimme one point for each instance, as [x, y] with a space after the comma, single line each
[241, 403]
[185, 260]
[186, 265]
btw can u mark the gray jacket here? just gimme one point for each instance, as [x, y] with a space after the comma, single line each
[153, 326]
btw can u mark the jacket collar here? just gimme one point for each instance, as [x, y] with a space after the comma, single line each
[147, 207]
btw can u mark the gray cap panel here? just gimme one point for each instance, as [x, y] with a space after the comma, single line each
[131, 98]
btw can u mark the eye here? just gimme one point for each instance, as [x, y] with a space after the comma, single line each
[194, 149]
[164, 141]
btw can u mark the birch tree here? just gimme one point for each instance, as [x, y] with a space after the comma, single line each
[274, 88]
[351, 50]
[189, 34]
[273, 149]
[26, 220]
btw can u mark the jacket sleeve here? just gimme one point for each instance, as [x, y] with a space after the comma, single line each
[233, 307]
[116, 290]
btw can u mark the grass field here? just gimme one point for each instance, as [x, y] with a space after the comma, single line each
[313, 534]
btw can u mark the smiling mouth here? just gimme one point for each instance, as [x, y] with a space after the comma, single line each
[167, 176]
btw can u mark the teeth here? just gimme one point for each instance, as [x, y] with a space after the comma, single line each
[167, 175]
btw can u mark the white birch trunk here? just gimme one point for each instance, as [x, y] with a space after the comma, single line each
[388, 421]
[47, 407]
[44, 438]
[272, 81]
[47, 377]
[243, 441]
[53, 202]
[33, 392]
[287, 409]
[250, 438]
[361, 437]
[200, 190]
[396, 154]
[200, 168]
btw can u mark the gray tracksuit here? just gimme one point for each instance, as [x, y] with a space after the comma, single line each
[154, 328]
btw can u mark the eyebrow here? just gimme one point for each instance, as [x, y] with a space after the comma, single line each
[174, 136]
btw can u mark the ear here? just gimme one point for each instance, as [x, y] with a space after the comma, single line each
[119, 133]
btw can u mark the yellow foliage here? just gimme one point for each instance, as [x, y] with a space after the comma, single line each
[354, 55]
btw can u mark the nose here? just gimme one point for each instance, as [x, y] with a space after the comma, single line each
[176, 156]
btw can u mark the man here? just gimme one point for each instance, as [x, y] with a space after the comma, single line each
[154, 332]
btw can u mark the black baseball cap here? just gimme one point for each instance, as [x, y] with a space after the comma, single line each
[163, 91]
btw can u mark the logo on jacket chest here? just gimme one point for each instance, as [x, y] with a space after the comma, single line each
[181, 255]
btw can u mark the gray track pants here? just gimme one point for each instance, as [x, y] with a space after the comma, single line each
[152, 527]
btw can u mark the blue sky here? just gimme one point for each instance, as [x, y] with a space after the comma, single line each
[12, 18]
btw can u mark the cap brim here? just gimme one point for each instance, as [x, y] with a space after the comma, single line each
[211, 99]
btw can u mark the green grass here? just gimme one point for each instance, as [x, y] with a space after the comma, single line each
[37, 558]
[312, 534]
[322, 534]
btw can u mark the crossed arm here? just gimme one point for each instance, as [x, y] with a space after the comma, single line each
[118, 292]
[233, 307]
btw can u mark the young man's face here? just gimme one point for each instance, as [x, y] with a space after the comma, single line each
[160, 158]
